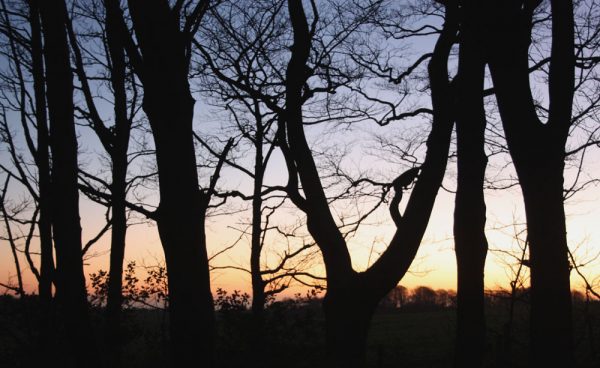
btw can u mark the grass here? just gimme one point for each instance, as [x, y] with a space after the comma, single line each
[416, 339]
[295, 339]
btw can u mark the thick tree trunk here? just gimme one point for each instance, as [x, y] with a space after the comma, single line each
[469, 214]
[190, 300]
[551, 312]
[352, 297]
[70, 281]
[537, 150]
[180, 220]
[182, 209]
[347, 320]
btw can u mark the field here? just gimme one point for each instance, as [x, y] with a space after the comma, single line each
[420, 337]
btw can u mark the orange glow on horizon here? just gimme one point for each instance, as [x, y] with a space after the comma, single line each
[434, 265]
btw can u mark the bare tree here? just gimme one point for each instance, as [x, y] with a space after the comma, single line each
[22, 30]
[538, 153]
[469, 213]
[161, 61]
[42, 158]
[352, 296]
[114, 139]
[240, 44]
[70, 280]
[24, 58]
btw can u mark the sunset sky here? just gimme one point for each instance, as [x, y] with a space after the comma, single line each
[435, 262]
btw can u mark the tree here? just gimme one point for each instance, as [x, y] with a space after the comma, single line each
[115, 141]
[469, 213]
[42, 158]
[70, 281]
[161, 61]
[424, 296]
[240, 44]
[31, 109]
[396, 298]
[538, 153]
[7, 215]
[352, 296]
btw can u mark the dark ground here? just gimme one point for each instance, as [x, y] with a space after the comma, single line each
[419, 336]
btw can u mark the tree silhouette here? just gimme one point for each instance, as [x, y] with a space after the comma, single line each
[538, 153]
[70, 280]
[115, 140]
[161, 61]
[469, 213]
[8, 215]
[42, 158]
[352, 296]
[280, 71]
[28, 61]
[240, 45]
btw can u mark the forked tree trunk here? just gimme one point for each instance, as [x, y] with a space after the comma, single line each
[352, 297]
[538, 152]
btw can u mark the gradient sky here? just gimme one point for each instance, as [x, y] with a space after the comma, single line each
[434, 265]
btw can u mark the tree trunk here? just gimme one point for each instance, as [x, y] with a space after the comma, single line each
[347, 320]
[42, 160]
[42, 157]
[70, 281]
[352, 297]
[551, 311]
[190, 300]
[11, 241]
[115, 281]
[538, 153]
[118, 153]
[258, 285]
[117, 254]
[180, 219]
[182, 209]
[469, 213]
